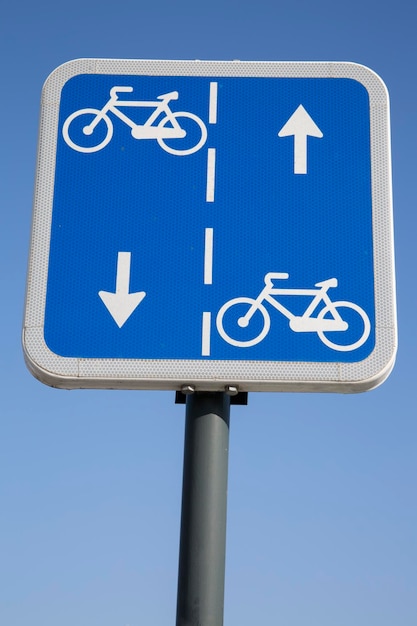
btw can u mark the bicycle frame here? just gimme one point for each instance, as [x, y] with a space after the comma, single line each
[304, 322]
[146, 130]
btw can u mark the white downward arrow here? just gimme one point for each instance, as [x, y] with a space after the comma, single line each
[122, 303]
[300, 125]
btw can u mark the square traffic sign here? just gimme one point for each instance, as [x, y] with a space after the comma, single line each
[212, 224]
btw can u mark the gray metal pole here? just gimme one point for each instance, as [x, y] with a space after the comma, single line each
[200, 600]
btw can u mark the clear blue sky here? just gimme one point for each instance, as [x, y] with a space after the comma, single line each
[322, 512]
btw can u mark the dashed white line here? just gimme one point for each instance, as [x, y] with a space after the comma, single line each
[211, 174]
[208, 237]
[205, 334]
[208, 257]
[213, 103]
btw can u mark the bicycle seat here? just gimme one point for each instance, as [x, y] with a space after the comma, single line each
[330, 282]
[171, 95]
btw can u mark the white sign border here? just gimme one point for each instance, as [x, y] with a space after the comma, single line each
[77, 373]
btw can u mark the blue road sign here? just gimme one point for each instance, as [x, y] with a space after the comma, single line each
[212, 224]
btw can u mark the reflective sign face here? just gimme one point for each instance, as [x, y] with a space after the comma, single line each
[216, 224]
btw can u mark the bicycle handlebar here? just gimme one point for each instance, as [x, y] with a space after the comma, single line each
[274, 276]
[114, 90]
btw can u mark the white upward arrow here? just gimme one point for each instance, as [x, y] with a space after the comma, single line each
[122, 303]
[300, 125]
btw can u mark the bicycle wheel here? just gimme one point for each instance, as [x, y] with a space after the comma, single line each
[258, 324]
[357, 327]
[79, 134]
[195, 134]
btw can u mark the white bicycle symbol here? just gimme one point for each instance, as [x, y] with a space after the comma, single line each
[328, 318]
[167, 128]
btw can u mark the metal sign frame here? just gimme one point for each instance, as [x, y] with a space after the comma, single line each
[202, 374]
